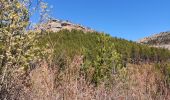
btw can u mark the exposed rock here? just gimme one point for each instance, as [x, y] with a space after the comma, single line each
[57, 25]
[158, 40]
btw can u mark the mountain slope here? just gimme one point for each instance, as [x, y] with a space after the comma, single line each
[159, 40]
[75, 42]
[72, 39]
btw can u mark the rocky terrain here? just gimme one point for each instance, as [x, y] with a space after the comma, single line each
[56, 25]
[158, 40]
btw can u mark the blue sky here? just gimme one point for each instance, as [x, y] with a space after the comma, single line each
[129, 19]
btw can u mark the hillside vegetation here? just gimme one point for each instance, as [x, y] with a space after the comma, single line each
[99, 49]
[75, 42]
[74, 64]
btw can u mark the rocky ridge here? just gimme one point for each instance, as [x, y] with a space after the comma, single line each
[158, 40]
[56, 25]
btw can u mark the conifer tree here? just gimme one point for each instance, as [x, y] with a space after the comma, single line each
[106, 61]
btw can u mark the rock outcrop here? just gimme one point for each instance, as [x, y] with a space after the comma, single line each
[158, 40]
[57, 25]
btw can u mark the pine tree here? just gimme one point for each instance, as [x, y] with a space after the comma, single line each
[106, 61]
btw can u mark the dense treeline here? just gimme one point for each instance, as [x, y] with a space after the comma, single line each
[135, 53]
[76, 42]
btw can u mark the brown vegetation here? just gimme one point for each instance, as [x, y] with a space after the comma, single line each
[135, 82]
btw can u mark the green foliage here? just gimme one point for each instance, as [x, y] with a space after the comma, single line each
[105, 62]
[18, 45]
[74, 42]
[71, 43]
[14, 19]
[102, 53]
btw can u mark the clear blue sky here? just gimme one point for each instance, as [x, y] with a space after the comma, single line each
[129, 19]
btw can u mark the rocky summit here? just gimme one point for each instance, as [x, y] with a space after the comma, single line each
[56, 25]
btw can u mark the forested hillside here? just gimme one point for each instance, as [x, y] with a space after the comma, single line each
[40, 64]
[74, 42]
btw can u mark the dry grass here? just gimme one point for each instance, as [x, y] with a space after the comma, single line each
[135, 82]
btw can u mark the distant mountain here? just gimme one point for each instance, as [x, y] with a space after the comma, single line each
[158, 40]
[56, 25]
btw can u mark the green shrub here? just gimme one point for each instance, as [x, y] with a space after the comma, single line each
[105, 62]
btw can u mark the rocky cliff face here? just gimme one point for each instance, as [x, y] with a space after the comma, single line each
[57, 25]
[158, 40]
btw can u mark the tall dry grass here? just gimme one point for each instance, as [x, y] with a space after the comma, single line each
[135, 82]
